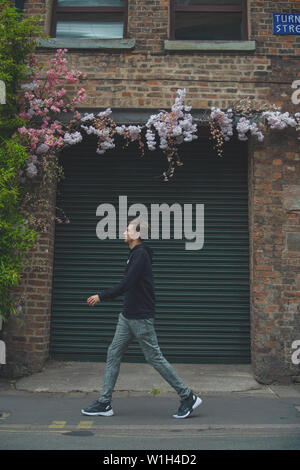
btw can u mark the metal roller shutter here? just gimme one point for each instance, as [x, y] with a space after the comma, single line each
[202, 308]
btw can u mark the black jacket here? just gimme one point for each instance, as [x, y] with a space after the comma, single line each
[137, 285]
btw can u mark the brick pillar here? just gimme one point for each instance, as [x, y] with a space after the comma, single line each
[27, 334]
[275, 255]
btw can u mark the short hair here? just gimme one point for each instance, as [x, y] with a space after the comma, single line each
[140, 226]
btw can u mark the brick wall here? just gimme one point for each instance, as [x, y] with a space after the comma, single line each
[27, 335]
[148, 77]
[275, 259]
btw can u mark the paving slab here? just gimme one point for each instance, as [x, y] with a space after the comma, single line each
[66, 377]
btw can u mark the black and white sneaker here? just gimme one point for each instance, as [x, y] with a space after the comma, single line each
[98, 409]
[187, 406]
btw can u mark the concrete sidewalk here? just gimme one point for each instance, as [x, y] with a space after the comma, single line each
[66, 377]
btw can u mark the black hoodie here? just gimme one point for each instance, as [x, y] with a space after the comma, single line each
[137, 284]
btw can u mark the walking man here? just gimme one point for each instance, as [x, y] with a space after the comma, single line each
[137, 321]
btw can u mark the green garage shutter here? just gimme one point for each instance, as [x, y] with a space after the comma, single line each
[202, 297]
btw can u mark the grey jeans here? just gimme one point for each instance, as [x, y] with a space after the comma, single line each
[144, 332]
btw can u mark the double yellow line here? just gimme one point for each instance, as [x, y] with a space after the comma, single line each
[55, 426]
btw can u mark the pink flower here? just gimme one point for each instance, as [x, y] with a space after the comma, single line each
[22, 130]
[24, 115]
[55, 109]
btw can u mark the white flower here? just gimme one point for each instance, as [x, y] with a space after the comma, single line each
[31, 112]
[224, 121]
[106, 145]
[188, 137]
[176, 124]
[243, 127]
[31, 170]
[30, 86]
[120, 130]
[278, 120]
[91, 130]
[43, 148]
[255, 131]
[177, 130]
[37, 102]
[134, 132]
[73, 138]
[87, 117]
[163, 144]
[150, 138]
[260, 136]
[105, 113]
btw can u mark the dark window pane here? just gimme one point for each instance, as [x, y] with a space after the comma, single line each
[90, 3]
[90, 25]
[208, 26]
[185, 3]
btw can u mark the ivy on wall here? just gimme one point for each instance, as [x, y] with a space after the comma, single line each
[16, 237]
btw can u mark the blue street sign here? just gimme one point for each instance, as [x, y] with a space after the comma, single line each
[286, 23]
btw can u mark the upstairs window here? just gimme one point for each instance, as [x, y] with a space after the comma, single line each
[209, 20]
[89, 19]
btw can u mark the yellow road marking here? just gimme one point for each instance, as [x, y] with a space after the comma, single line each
[85, 425]
[57, 424]
[57, 431]
[200, 436]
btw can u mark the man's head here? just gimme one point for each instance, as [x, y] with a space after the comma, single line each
[137, 229]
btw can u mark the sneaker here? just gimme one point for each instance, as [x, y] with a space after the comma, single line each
[187, 406]
[98, 409]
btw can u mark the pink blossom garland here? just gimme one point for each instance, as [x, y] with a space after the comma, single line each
[44, 101]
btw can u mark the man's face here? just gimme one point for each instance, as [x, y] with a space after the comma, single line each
[130, 233]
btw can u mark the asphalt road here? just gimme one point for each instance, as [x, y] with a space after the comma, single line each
[43, 421]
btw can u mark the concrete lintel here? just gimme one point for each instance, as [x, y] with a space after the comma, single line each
[184, 45]
[81, 43]
[135, 115]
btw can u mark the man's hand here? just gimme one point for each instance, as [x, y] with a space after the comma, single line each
[93, 300]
